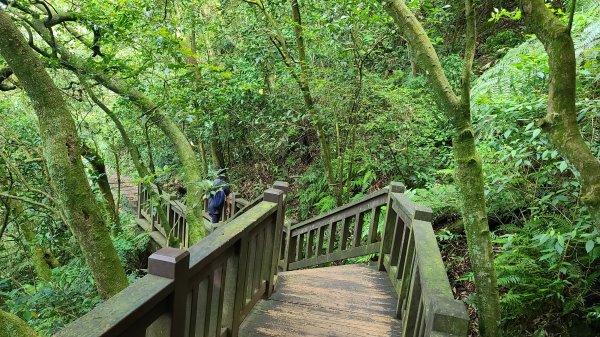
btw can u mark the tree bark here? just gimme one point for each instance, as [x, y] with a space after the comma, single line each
[469, 173]
[63, 157]
[37, 253]
[216, 149]
[97, 162]
[132, 148]
[13, 326]
[134, 152]
[560, 122]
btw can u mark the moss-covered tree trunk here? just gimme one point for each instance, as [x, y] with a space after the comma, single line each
[469, 173]
[63, 157]
[13, 326]
[97, 162]
[301, 77]
[37, 253]
[560, 122]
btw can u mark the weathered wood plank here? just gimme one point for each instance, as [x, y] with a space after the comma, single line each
[351, 300]
[336, 256]
[113, 317]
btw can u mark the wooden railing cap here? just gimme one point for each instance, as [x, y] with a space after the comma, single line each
[167, 261]
[273, 195]
[282, 185]
[396, 187]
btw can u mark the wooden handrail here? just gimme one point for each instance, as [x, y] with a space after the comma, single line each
[410, 255]
[207, 290]
[345, 232]
[175, 212]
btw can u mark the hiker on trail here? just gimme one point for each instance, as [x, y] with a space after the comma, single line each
[216, 199]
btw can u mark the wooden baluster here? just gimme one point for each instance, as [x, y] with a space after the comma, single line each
[332, 237]
[389, 227]
[300, 247]
[260, 259]
[320, 239]
[310, 244]
[219, 307]
[174, 264]
[345, 234]
[358, 229]
[396, 241]
[409, 316]
[290, 250]
[229, 291]
[240, 300]
[139, 201]
[373, 224]
[210, 282]
[250, 271]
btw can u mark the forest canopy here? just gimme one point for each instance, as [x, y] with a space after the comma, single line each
[486, 111]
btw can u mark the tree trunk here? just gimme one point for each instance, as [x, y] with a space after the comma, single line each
[469, 173]
[134, 152]
[302, 80]
[216, 149]
[151, 165]
[560, 122]
[63, 157]
[13, 326]
[97, 162]
[42, 269]
[132, 148]
[203, 156]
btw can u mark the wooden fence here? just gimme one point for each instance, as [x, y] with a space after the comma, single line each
[410, 255]
[345, 232]
[204, 291]
[150, 199]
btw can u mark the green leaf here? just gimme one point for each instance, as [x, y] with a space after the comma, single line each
[562, 166]
[589, 245]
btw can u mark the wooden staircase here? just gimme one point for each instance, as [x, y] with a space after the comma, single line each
[249, 277]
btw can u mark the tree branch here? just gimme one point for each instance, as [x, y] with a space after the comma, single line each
[469, 52]
[571, 15]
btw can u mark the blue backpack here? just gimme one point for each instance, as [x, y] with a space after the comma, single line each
[216, 201]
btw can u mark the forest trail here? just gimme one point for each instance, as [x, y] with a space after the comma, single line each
[129, 190]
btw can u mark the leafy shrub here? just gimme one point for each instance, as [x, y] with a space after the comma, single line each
[548, 271]
[49, 306]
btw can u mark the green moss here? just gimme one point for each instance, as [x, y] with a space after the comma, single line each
[13, 326]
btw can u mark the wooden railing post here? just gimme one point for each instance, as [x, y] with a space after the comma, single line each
[239, 298]
[276, 196]
[174, 264]
[139, 201]
[388, 229]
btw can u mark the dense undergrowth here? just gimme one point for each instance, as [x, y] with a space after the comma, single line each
[70, 292]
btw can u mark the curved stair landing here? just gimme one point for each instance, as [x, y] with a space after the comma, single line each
[349, 300]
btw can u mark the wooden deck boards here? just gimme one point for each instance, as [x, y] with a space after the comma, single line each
[350, 300]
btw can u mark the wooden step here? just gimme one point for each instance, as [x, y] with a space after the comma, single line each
[350, 300]
[146, 226]
[159, 238]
